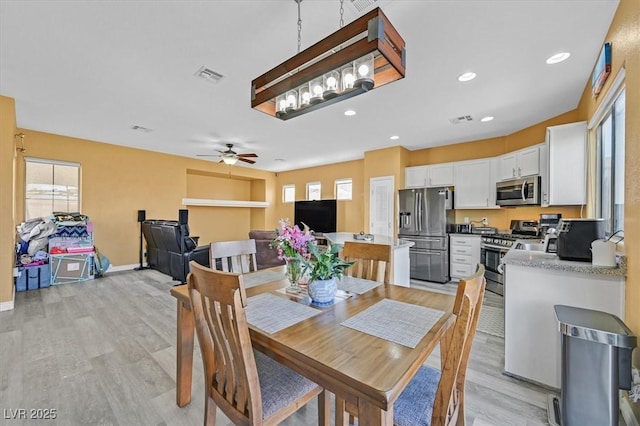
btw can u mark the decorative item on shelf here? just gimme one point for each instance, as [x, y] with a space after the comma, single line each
[293, 246]
[601, 70]
[324, 269]
[363, 55]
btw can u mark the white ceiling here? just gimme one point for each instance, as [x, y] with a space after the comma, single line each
[93, 69]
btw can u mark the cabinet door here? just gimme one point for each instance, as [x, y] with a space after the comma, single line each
[473, 184]
[415, 177]
[507, 166]
[441, 174]
[528, 162]
[567, 147]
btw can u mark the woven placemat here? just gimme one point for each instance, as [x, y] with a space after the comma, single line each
[262, 276]
[357, 285]
[271, 313]
[398, 322]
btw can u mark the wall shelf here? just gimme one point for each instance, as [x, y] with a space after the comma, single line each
[224, 203]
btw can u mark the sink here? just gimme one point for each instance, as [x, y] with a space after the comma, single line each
[530, 246]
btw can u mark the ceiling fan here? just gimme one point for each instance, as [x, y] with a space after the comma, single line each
[230, 156]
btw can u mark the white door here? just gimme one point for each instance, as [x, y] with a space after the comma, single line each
[381, 206]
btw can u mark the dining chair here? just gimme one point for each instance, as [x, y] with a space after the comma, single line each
[249, 387]
[234, 256]
[373, 261]
[435, 397]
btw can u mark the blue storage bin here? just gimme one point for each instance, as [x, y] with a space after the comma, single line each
[33, 277]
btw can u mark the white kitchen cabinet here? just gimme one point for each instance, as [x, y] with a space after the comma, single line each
[474, 187]
[521, 163]
[564, 176]
[427, 176]
[464, 255]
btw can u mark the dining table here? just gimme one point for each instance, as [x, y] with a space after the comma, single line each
[364, 348]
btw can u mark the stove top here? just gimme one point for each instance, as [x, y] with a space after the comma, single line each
[506, 240]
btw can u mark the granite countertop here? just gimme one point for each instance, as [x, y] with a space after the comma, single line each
[538, 259]
[342, 237]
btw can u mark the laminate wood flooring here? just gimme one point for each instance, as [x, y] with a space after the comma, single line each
[103, 352]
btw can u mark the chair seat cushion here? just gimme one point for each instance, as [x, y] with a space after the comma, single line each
[280, 386]
[414, 407]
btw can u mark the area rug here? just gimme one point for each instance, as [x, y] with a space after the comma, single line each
[491, 321]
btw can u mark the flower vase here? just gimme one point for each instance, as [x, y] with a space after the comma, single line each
[322, 292]
[294, 273]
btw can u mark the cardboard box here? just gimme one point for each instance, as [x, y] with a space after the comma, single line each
[69, 268]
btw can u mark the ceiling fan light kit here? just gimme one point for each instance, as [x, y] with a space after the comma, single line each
[364, 55]
[231, 157]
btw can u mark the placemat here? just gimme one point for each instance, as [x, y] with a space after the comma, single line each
[261, 277]
[303, 296]
[357, 285]
[395, 321]
[271, 313]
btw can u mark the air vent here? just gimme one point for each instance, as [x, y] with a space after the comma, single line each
[361, 6]
[209, 75]
[461, 119]
[140, 129]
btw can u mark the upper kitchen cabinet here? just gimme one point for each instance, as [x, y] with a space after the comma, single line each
[427, 176]
[564, 174]
[517, 164]
[475, 185]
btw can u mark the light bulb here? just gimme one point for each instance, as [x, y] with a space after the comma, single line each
[291, 100]
[306, 96]
[317, 90]
[331, 83]
[349, 79]
[283, 104]
[363, 70]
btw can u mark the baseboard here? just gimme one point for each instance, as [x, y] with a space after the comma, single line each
[120, 268]
[627, 411]
[10, 304]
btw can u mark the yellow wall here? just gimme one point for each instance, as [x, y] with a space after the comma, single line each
[7, 196]
[117, 181]
[624, 35]
[349, 212]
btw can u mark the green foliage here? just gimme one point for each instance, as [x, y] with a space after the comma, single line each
[324, 265]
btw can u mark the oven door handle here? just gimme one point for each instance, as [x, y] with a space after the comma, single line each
[494, 247]
[500, 268]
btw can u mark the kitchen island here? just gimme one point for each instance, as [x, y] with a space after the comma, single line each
[399, 252]
[536, 281]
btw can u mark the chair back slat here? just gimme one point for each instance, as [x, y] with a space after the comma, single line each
[455, 349]
[373, 261]
[234, 256]
[223, 332]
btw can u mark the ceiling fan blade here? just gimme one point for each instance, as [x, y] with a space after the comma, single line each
[207, 155]
[248, 155]
[246, 161]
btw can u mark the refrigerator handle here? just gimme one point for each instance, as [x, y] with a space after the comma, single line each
[420, 211]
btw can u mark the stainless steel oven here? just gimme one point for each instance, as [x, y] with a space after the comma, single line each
[491, 257]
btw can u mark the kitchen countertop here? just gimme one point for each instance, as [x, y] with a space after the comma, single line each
[342, 237]
[538, 259]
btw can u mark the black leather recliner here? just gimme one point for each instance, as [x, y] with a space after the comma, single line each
[170, 248]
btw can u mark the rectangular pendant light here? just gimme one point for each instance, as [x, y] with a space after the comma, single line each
[366, 54]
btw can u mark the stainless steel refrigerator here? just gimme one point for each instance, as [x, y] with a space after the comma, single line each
[426, 216]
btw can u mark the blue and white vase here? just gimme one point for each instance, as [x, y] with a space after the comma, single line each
[322, 292]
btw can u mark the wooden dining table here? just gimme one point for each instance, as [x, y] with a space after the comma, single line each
[366, 371]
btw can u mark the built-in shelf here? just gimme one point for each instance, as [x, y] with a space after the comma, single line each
[224, 203]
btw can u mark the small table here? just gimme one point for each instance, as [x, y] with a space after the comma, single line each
[367, 371]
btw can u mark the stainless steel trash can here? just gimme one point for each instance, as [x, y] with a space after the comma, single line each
[596, 362]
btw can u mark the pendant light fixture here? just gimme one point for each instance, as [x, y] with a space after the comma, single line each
[364, 55]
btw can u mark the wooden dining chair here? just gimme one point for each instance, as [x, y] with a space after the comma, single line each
[234, 256]
[373, 261]
[436, 397]
[248, 386]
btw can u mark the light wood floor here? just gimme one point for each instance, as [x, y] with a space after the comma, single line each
[99, 356]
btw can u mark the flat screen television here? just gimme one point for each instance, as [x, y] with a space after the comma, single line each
[319, 215]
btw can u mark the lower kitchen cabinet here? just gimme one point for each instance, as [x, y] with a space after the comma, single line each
[464, 255]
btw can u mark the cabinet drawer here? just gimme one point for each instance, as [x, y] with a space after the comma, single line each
[461, 241]
[461, 270]
[456, 249]
[461, 258]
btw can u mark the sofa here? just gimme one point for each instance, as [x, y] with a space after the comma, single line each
[170, 248]
[266, 257]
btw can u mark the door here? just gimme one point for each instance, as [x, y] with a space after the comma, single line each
[381, 206]
[429, 265]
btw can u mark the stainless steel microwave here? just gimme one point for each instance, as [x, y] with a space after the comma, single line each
[519, 192]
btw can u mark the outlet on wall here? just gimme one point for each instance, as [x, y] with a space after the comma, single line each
[485, 221]
[466, 219]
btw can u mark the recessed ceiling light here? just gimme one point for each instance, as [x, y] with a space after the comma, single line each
[558, 57]
[487, 118]
[394, 137]
[467, 76]
[349, 112]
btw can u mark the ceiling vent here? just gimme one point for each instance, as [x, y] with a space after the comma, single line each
[362, 6]
[140, 129]
[461, 119]
[209, 75]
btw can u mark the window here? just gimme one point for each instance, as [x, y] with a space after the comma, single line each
[50, 186]
[610, 146]
[288, 193]
[313, 191]
[343, 189]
